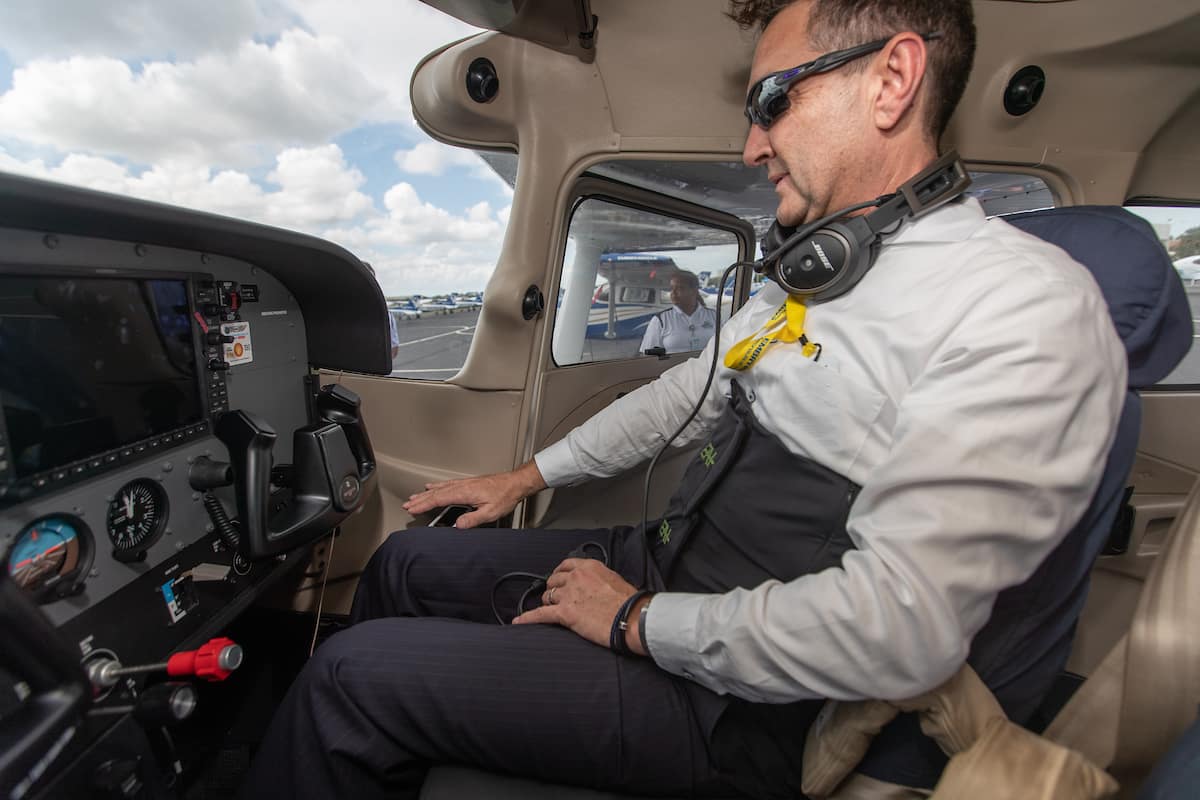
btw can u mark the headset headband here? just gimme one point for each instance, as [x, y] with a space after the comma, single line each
[826, 258]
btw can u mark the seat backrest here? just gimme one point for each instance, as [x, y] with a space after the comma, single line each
[1025, 643]
[1151, 314]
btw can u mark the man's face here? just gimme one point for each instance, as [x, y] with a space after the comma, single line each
[807, 149]
[683, 295]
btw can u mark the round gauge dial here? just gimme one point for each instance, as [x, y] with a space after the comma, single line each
[136, 518]
[49, 555]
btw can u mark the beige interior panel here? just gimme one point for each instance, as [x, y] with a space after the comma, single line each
[1166, 467]
[1170, 166]
[1171, 428]
[571, 398]
[1117, 580]
[421, 431]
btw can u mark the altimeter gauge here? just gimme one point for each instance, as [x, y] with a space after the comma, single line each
[137, 517]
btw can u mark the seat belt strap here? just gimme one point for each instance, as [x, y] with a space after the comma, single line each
[1088, 722]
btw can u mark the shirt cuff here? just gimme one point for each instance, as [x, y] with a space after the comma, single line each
[557, 465]
[671, 625]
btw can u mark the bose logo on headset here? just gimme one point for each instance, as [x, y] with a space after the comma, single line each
[824, 258]
[848, 246]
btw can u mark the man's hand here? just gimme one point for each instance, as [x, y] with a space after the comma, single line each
[492, 496]
[584, 595]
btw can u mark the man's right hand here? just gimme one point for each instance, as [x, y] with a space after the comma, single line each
[492, 496]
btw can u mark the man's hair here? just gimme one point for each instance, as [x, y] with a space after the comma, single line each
[836, 24]
[691, 281]
[688, 279]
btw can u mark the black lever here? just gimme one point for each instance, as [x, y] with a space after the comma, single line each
[36, 733]
[336, 403]
[326, 484]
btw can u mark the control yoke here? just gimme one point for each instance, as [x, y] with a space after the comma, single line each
[58, 694]
[333, 462]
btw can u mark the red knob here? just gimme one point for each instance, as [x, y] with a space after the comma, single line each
[212, 661]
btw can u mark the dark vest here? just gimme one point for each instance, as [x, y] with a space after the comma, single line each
[748, 510]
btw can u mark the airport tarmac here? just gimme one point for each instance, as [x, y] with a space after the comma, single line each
[435, 346]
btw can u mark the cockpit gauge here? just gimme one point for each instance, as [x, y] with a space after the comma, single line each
[51, 556]
[137, 517]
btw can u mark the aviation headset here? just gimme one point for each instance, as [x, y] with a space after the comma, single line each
[828, 257]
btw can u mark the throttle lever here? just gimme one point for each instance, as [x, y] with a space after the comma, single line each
[336, 403]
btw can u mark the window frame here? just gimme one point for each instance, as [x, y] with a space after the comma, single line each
[593, 187]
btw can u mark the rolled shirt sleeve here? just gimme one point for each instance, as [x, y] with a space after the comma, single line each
[634, 428]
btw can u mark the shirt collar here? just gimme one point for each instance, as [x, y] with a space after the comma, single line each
[955, 221]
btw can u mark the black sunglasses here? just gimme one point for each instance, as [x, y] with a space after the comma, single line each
[767, 99]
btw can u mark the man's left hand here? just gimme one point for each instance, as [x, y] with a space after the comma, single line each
[584, 595]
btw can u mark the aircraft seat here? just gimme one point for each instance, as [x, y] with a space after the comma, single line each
[1020, 659]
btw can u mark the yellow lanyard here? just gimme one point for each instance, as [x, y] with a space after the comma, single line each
[785, 325]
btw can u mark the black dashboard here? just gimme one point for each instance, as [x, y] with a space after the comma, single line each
[166, 451]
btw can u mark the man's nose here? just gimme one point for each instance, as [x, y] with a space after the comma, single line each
[757, 150]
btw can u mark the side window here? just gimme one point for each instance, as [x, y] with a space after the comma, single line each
[1178, 228]
[634, 277]
[1009, 192]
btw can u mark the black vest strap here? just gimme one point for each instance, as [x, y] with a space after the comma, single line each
[748, 510]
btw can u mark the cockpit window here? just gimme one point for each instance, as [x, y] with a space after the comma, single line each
[745, 192]
[634, 279]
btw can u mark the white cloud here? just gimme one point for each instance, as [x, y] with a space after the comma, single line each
[419, 247]
[219, 109]
[388, 38]
[434, 158]
[413, 245]
[134, 29]
[233, 110]
[316, 186]
[436, 269]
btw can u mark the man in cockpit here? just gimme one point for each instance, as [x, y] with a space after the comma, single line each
[848, 520]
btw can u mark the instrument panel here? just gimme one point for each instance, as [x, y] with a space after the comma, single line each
[115, 361]
[166, 454]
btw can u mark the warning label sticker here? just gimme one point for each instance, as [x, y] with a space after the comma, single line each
[238, 351]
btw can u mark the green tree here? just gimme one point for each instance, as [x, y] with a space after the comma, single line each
[1188, 244]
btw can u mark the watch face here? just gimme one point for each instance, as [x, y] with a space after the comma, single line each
[137, 516]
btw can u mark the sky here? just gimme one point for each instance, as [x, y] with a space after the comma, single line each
[293, 113]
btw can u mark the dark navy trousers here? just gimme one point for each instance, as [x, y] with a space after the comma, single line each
[426, 676]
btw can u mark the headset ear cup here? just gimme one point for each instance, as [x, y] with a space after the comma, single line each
[775, 236]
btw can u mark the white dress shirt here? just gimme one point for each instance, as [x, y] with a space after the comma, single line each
[677, 332]
[971, 384]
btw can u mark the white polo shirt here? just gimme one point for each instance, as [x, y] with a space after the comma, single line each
[678, 332]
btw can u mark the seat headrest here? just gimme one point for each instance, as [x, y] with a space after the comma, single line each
[1144, 293]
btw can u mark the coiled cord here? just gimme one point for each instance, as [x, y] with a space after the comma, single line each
[538, 582]
[220, 520]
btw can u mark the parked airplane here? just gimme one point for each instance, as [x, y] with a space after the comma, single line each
[636, 287]
[406, 309]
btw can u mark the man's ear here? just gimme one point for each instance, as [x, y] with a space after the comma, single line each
[898, 71]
